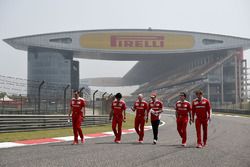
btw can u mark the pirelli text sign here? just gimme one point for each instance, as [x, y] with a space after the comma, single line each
[137, 41]
[132, 41]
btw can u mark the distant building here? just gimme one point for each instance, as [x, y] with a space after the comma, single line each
[168, 61]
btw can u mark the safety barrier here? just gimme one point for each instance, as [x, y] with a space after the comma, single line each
[232, 111]
[14, 123]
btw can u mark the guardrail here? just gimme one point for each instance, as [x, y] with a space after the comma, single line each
[233, 111]
[14, 123]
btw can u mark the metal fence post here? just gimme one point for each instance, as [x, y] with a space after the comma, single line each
[21, 104]
[108, 103]
[110, 95]
[35, 104]
[39, 95]
[94, 101]
[81, 94]
[64, 99]
[56, 102]
[103, 101]
[3, 105]
[71, 93]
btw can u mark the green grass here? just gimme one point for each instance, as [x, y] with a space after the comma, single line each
[40, 134]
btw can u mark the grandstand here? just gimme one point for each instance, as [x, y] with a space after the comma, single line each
[189, 78]
[168, 61]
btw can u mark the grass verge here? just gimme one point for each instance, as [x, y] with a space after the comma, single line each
[40, 134]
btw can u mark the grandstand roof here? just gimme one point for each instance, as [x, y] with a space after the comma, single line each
[129, 44]
[157, 51]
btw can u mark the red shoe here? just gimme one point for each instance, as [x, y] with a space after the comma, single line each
[74, 143]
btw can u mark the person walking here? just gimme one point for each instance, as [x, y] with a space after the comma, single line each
[77, 109]
[118, 112]
[155, 109]
[183, 110]
[201, 108]
[140, 107]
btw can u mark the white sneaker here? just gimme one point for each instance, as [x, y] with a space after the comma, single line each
[118, 141]
[140, 141]
[184, 144]
[154, 141]
[199, 146]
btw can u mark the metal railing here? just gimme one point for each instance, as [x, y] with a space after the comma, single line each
[14, 123]
[232, 111]
[22, 96]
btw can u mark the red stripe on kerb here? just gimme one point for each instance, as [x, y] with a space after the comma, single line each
[97, 135]
[38, 141]
[126, 130]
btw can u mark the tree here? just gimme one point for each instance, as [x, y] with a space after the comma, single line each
[2, 94]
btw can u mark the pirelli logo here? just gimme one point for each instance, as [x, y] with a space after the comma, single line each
[121, 41]
[136, 41]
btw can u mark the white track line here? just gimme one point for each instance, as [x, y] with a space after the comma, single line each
[71, 138]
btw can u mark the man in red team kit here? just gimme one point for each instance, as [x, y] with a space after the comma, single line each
[118, 109]
[140, 106]
[201, 108]
[183, 110]
[155, 109]
[77, 108]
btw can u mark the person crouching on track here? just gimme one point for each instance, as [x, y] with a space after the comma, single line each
[155, 109]
[77, 108]
[118, 111]
[201, 108]
[183, 110]
[141, 107]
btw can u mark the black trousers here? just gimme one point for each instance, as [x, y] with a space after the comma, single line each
[155, 125]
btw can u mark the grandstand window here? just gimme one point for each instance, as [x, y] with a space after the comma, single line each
[211, 41]
[61, 40]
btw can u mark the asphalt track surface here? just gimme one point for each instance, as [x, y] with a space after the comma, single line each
[228, 145]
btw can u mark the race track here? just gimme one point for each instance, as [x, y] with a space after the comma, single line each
[228, 145]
